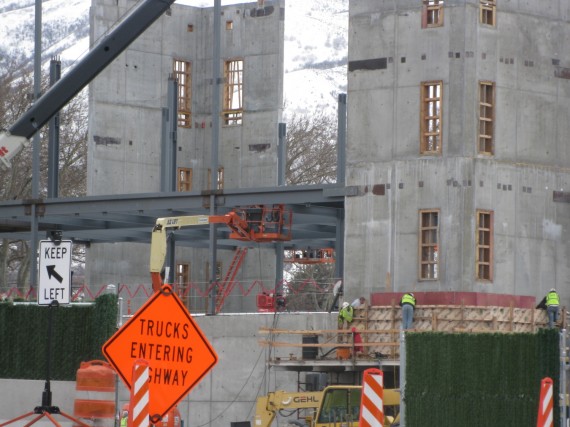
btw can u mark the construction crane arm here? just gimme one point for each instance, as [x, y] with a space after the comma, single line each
[102, 54]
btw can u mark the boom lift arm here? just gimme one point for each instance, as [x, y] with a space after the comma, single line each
[256, 224]
[160, 230]
[79, 76]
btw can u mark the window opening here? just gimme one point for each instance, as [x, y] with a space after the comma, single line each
[486, 116]
[431, 100]
[484, 252]
[216, 283]
[340, 406]
[182, 281]
[233, 92]
[429, 245]
[182, 73]
[488, 12]
[432, 13]
[184, 179]
[220, 178]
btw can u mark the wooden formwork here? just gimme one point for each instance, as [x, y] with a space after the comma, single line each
[379, 326]
[446, 318]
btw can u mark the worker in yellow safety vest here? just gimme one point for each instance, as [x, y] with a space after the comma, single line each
[125, 415]
[408, 304]
[552, 303]
[345, 316]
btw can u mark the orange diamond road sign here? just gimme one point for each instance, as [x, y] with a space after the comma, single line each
[163, 333]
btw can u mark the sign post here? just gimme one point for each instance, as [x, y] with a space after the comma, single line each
[163, 333]
[54, 272]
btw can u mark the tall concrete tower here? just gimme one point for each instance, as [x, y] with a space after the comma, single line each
[458, 139]
[127, 124]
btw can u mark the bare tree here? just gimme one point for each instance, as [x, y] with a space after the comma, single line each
[311, 159]
[16, 89]
[311, 149]
[310, 288]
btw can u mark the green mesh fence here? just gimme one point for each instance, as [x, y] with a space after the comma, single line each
[474, 380]
[78, 333]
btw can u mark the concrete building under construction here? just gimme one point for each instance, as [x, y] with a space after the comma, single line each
[130, 149]
[456, 173]
[456, 155]
[458, 145]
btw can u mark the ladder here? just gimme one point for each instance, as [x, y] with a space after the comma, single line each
[229, 281]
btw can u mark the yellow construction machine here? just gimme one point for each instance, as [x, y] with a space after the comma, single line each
[335, 405]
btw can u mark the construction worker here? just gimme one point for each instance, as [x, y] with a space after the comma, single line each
[345, 316]
[125, 415]
[359, 303]
[408, 304]
[552, 303]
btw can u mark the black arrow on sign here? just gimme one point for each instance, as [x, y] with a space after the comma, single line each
[51, 272]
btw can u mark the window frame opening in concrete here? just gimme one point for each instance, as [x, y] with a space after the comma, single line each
[432, 13]
[182, 71]
[220, 183]
[229, 25]
[184, 181]
[431, 107]
[182, 280]
[232, 108]
[484, 245]
[486, 118]
[218, 271]
[428, 245]
[488, 12]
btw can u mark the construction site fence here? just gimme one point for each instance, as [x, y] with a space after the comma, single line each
[305, 295]
[78, 331]
[474, 380]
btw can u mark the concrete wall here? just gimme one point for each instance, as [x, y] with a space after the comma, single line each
[522, 56]
[228, 394]
[125, 122]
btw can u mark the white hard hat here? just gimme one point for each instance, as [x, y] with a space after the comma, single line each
[345, 304]
[552, 290]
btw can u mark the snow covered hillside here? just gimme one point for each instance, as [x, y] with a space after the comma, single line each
[316, 43]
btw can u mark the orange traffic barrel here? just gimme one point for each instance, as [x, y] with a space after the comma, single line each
[95, 393]
[171, 419]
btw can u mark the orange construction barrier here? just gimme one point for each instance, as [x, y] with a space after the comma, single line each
[139, 414]
[95, 393]
[545, 404]
[372, 399]
[171, 419]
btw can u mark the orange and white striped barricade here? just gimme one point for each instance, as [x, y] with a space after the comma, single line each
[545, 404]
[372, 399]
[139, 414]
[95, 393]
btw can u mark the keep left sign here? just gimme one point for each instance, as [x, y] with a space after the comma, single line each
[54, 272]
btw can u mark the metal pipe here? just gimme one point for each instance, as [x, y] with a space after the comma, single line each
[53, 142]
[216, 58]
